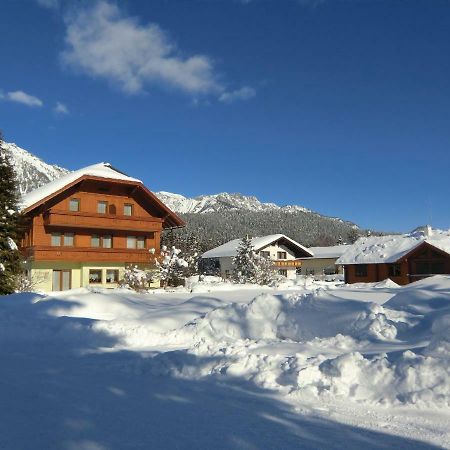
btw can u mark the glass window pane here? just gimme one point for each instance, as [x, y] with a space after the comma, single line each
[56, 239]
[95, 240]
[95, 276]
[68, 239]
[101, 207]
[74, 204]
[66, 279]
[107, 241]
[128, 210]
[56, 280]
[141, 242]
[112, 276]
[131, 241]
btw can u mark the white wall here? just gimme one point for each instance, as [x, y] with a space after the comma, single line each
[226, 262]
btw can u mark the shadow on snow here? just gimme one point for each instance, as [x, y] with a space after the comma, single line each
[58, 391]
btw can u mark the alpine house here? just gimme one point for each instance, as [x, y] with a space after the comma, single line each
[87, 226]
[284, 252]
[402, 258]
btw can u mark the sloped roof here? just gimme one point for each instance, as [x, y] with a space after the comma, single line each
[334, 251]
[389, 249]
[101, 170]
[229, 249]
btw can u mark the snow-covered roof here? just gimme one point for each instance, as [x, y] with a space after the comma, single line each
[334, 251]
[229, 249]
[389, 249]
[101, 170]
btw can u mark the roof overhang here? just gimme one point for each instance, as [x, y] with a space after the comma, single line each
[171, 220]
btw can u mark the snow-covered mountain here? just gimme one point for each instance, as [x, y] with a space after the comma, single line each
[212, 219]
[220, 202]
[30, 170]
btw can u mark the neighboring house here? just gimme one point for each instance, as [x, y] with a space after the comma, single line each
[283, 251]
[324, 260]
[86, 227]
[402, 258]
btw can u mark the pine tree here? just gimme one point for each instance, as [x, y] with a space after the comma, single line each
[245, 262]
[10, 227]
[249, 267]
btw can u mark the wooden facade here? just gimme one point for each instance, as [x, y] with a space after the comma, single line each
[96, 220]
[422, 262]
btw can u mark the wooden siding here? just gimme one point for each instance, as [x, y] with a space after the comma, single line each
[55, 216]
[68, 219]
[409, 267]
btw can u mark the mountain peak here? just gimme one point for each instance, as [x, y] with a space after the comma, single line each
[31, 171]
[223, 201]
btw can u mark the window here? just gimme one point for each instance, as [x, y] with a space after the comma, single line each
[95, 240]
[395, 270]
[95, 275]
[56, 239]
[102, 207]
[68, 239]
[107, 241]
[283, 272]
[127, 209]
[74, 204]
[361, 270]
[227, 274]
[131, 241]
[281, 255]
[112, 276]
[265, 254]
[140, 242]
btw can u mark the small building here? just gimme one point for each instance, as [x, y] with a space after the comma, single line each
[285, 253]
[402, 258]
[324, 260]
[83, 229]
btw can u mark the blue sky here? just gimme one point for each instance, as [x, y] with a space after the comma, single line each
[339, 106]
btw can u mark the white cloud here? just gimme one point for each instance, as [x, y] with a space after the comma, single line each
[61, 108]
[22, 97]
[50, 4]
[104, 43]
[243, 93]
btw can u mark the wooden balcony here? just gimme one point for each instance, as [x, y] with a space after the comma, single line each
[287, 263]
[87, 254]
[70, 219]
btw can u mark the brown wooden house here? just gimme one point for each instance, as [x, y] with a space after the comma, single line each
[86, 227]
[403, 258]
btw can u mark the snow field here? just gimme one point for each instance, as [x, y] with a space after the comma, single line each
[313, 344]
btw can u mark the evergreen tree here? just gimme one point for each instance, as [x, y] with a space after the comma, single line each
[244, 263]
[249, 267]
[10, 227]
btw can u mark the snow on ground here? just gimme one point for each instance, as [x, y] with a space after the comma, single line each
[303, 365]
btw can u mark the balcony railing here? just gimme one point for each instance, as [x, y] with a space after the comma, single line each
[101, 221]
[86, 254]
[282, 263]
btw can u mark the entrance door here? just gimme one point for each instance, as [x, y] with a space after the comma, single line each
[61, 280]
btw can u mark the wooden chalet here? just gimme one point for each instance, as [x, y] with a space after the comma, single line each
[403, 258]
[86, 227]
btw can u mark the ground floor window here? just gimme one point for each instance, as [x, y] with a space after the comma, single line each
[112, 276]
[95, 276]
[283, 272]
[361, 270]
[394, 270]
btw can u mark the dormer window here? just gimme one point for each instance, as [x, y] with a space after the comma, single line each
[127, 209]
[102, 207]
[74, 204]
